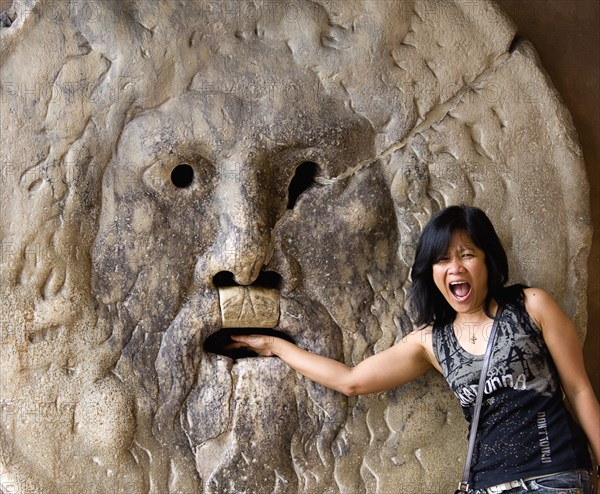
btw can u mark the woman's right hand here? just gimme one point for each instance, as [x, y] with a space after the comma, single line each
[261, 344]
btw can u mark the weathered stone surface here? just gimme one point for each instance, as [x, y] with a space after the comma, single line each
[149, 146]
[249, 307]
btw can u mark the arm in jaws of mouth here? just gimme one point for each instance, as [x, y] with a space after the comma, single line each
[393, 367]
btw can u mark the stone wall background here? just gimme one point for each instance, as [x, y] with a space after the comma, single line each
[566, 35]
[534, 12]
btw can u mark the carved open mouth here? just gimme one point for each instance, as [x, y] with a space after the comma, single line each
[218, 342]
[246, 310]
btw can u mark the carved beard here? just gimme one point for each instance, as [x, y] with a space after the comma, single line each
[239, 415]
[254, 416]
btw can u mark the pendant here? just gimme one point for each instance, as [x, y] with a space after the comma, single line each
[473, 339]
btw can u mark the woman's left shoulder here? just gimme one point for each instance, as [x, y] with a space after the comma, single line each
[537, 297]
[539, 304]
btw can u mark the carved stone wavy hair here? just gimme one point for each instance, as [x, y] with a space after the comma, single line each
[428, 303]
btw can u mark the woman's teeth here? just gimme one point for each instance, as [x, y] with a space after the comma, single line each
[460, 289]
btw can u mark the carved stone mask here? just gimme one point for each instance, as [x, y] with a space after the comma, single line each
[191, 195]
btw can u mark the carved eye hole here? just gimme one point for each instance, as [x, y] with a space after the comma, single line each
[182, 176]
[303, 179]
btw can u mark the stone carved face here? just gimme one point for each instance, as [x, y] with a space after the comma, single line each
[163, 241]
[151, 149]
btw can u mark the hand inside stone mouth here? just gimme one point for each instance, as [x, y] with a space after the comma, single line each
[224, 342]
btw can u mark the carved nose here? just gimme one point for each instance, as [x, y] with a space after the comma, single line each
[246, 224]
[245, 249]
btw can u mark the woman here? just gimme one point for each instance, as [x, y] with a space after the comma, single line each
[526, 440]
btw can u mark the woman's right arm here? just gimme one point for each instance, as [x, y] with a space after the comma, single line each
[388, 369]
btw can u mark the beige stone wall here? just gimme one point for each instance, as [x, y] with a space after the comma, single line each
[112, 270]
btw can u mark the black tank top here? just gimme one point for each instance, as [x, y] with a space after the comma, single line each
[524, 429]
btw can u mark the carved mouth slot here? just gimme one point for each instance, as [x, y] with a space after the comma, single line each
[267, 279]
[217, 342]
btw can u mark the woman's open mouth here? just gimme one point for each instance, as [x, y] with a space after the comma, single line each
[460, 290]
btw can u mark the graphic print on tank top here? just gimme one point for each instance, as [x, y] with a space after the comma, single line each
[520, 360]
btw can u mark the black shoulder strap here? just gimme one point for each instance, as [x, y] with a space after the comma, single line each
[464, 485]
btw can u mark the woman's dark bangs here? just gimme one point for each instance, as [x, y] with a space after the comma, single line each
[442, 236]
[482, 233]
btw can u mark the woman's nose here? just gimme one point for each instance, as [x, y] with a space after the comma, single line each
[455, 265]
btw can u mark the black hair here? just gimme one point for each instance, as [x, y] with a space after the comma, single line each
[427, 301]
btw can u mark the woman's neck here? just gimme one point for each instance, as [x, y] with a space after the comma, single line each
[476, 316]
